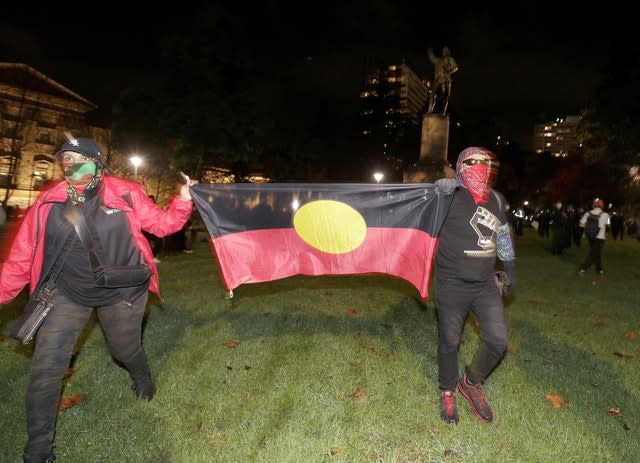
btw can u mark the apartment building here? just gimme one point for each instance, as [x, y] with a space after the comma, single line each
[393, 101]
[558, 137]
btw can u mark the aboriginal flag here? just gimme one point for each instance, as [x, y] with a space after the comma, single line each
[267, 231]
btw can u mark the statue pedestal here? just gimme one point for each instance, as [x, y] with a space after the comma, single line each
[434, 146]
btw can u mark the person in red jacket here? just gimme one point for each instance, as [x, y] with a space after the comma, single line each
[116, 211]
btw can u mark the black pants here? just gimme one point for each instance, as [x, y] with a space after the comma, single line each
[595, 255]
[122, 327]
[456, 299]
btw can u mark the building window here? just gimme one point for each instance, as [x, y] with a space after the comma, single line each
[11, 132]
[44, 138]
[42, 169]
[5, 168]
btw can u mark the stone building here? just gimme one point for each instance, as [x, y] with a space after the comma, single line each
[36, 116]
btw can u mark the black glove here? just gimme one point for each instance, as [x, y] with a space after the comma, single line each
[510, 268]
[446, 186]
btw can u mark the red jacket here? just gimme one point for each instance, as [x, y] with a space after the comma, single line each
[24, 262]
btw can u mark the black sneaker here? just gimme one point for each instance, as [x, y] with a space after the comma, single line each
[144, 388]
[448, 408]
[474, 395]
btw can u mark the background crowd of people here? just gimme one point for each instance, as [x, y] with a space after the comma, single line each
[561, 226]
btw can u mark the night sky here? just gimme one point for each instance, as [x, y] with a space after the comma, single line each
[519, 64]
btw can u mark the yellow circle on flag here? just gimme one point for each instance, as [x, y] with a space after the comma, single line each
[330, 226]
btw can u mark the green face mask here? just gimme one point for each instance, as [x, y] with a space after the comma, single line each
[80, 171]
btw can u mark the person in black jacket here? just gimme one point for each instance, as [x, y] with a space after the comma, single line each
[475, 232]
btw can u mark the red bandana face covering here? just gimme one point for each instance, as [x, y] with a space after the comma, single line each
[478, 177]
[477, 180]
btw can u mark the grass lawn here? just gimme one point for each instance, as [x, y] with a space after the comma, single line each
[343, 369]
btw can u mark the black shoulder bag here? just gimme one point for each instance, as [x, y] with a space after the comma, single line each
[108, 276]
[38, 305]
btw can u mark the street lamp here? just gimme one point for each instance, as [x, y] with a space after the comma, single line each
[136, 161]
[378, 176]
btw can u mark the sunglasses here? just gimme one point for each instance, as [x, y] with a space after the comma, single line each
[474, 161]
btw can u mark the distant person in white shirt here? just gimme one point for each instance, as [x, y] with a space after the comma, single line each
[596, 243]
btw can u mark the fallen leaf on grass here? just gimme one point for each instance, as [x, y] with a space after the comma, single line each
[631, 334]
[615, 411]
[65, 403]
[599, 325]
[412, 313]
[556, 400]
[70, 401]
[2, 337]
[623, 356]
[358, 393]
[67, 373]
[387, 325]
[351, 312]
[512, 350]
[231, 344]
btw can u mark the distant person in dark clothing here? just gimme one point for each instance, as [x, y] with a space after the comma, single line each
[632, 226]
[154, 241]
[543, 223]
[617, 226]
[194, 225]
[576, 229]
[560, 224]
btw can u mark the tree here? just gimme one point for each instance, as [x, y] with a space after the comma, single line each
[201, 108]
[608, 132]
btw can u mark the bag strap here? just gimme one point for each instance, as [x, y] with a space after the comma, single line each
[49, 284]
[76, 218]
[499, 199]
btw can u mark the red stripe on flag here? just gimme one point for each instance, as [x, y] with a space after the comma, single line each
[264, 255]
